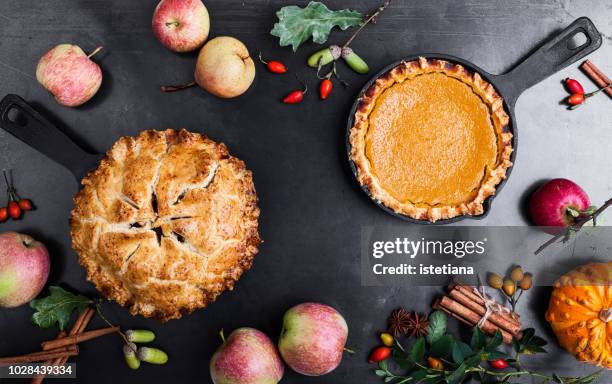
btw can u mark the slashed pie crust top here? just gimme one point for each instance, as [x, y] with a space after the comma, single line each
[430, 140]
[167, 222]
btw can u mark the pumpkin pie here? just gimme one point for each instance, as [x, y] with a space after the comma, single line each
[166, 223]
[430, 140]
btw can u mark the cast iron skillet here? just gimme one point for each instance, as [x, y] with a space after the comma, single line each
[33, 129]
[551, 57]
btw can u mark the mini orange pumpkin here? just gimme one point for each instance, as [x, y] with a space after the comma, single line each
[580, 313]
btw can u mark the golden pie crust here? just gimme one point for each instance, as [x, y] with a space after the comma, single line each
[430, 140]
[167, 222]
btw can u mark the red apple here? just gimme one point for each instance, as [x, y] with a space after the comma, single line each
[69, 74]
[558, 203]
[24, 268]
[181, 25]
[313, 338]
[248, 356]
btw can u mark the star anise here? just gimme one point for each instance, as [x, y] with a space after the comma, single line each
[399, 322]
[418, 325]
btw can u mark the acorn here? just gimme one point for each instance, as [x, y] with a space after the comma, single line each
[324, 56]
[495, 281]
[509, 287]
[130, 356]
[517, 274]
[353, 60]
[526, 282]
[139, 335]
[152, 355]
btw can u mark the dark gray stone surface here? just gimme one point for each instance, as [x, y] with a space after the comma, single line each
[312, 210]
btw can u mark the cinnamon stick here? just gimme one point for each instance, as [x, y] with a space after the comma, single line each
[78, 338]
[39, 356]
[468, 290]
[78, 327]
[596, 75]
[495, 318]
[471, 317]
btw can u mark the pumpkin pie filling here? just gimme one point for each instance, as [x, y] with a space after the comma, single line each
[430, 140]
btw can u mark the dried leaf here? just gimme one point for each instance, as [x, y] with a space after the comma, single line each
[296, 25]
[57, 307]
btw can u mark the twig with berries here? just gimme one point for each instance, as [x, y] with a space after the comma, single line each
[15, 205]
[584, 218]
[513, 286]
[332, 53]
[578, 97]
[442, 357]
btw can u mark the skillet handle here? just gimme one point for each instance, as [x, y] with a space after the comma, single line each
[36, 131]
[551, 57]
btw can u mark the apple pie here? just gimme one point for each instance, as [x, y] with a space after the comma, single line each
[167, 222]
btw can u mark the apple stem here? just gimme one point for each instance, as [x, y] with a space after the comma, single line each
[349, 351]
[95, 51]
[572, 212]
[222, 335]
[172, 23]
[174, 88]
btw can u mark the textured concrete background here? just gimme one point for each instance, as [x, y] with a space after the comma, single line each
[312, 209]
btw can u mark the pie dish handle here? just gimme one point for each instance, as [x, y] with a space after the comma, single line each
[555, 54]
[33, 129]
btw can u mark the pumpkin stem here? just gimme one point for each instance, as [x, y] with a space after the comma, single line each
[606, 315]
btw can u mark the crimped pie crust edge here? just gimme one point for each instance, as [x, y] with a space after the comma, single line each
[398, 74]
[108, 280]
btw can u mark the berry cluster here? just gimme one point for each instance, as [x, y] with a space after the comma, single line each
[16, 206]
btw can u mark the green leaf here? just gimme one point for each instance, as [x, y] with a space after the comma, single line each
[380, 372]
[57, 307]
[418, 350]
[478, 339]
[384, 365]
[516, 345]
[495, 341]
[418, 375]
[527, 335]
[533, 349]
[400, 357]
[494, 355]
[437, 326]
[296, 25]
[473, 360]
[558, 379]
[442, 347]
[460, 351]
[536, 340]
[457, 375]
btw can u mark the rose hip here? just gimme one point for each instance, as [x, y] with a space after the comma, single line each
[273, 65]
[276, 67]
[576, 99]
[573, 86]
[379, 354]
[295, 97]
[498, 364]
[4, 215]
[25, 205]
[14, 210]
[325, 88]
